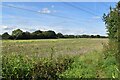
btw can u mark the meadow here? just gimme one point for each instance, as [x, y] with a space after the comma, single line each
[57, 58]
[56, 46]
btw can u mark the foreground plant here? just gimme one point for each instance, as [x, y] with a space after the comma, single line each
[23, 67]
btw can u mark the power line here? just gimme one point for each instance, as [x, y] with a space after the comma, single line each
[81, 9]
[39, 12]
[71, 19]
[36, 11]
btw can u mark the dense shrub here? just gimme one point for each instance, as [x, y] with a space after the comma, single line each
[22, 67]
[48, 69]
[110, 63]
[16, 66]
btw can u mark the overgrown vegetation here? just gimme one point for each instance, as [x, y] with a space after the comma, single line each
[112, 21]
[23, 67]
[92, 65]
[87, 60]
[82, 59]
[20, 60]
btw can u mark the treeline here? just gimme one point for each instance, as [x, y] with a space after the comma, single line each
[38, 34]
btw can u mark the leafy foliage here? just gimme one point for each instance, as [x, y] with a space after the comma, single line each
[112, 21]
[23, 67]
[16, 66]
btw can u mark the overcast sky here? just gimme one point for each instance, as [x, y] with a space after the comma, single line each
[67, 18]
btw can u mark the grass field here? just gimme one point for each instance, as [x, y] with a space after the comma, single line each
[87, 55]
[56, 46]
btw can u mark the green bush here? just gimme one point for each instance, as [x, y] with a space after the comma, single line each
[109, 63]
[20, 66]
[16, 66]
[48, 69]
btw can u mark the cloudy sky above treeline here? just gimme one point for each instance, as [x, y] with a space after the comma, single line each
[65, 17]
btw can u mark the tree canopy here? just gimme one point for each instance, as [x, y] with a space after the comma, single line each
[5, 35]
[112, 21]
[38, 34]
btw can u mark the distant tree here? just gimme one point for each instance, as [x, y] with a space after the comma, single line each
[60, 35]
[78, 36]
[16, 34]
[40, 36]
[37, 35]
[97, 36]
[66, 36]
[50, 34]
[103, 36]
[0, 37]
[25, 35]
[85, 36]
[5, 35]
[71, 36]
[34, 36]
[37, 32]
[92, 36]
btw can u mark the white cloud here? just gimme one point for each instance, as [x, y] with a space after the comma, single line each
[3, 27]
[72, 31]
[9, 29]
[61, 29]
[45, 11]
[6, 29]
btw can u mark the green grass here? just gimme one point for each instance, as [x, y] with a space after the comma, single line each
[92, 65]
[53, 58]
[44, 48]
